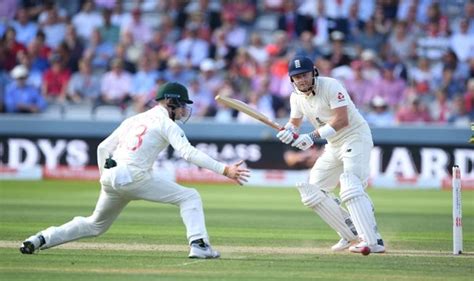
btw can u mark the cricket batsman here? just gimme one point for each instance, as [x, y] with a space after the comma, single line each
[125, 160]
[327, 106]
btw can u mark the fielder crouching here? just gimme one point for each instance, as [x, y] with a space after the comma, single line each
[128, 175]
[327, 106]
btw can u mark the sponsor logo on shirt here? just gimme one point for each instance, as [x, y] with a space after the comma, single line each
[340, 97]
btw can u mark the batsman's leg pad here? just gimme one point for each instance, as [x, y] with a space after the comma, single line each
[327, 208]
[360, 208]
[192, 214]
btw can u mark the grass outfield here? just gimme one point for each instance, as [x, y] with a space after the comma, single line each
[263, 234]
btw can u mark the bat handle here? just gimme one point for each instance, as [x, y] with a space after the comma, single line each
[295, 135]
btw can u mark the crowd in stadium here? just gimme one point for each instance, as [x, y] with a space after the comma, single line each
[402, 61]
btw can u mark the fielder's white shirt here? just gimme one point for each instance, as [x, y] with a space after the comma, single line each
[140, 138]
[330, 94]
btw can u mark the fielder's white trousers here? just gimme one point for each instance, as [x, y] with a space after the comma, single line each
[112, 200]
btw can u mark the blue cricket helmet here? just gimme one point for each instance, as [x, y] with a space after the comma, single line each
[301, 64]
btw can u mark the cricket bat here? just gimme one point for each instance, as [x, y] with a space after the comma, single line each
[245, 108]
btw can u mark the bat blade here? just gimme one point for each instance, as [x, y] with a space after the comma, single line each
[245, 108]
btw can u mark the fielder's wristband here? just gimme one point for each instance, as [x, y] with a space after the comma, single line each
[326, 131]
[226, 171]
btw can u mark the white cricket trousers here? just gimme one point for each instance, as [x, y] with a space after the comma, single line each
[112, 201]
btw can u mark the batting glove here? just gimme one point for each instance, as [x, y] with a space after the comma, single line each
[304, 141]
[286, 134]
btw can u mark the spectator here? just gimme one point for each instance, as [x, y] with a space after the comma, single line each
[38, 46]
[462, 42]
[48, 7]
[35, 76]
[84, 86]
[74, 46]
[119, 16]
[21, 97]
[143, 82]
[54, 29]
[236, 35]
[319, 22]
[448, 84]
[11, 49]
[413, 112]
[460, 69]
[140, 30]
[469, 97]
[337, 55]
[87, 20]
[380, 113]
[25, 28]
[433, 45]
[382, 24]
[338, 12]
[204, 30]
[115, 87]
[401, 42]
[159, 50]
[176, 72]
[133, 50]
[355, 24]
[121, 53]
[256, 48]
[305, 46]
[99, 52]
[389, 87]
[358, 87]
[292, 22]
[210, 81]
[109, 31]
[38, 54]
[460, 117]
[422, 78]
[370, 70]
[191, 50]
[210, 11]
[220, 50]
[171, 32]
[370, 38]
[55, 81]
[441, 108]
[246, 11]
[203, 105]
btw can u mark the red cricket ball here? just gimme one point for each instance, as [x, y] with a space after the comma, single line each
[365, 251]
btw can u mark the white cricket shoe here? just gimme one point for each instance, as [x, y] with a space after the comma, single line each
[32, 244]
[201, 250]
[341, 245]
[377, 248]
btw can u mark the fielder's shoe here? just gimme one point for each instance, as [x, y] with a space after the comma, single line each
[32, 244]
[341, 245]
[377, 248]
[202, 250]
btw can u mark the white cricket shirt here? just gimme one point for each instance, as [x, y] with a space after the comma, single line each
[330, 94]
[140, 138]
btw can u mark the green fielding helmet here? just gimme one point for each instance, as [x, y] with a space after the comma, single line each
[173, 90]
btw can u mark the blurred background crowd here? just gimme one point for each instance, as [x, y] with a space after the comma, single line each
[402, 61]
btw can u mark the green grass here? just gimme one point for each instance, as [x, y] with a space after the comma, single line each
[416, 226]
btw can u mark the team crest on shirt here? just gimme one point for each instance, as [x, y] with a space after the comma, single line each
[340, 97]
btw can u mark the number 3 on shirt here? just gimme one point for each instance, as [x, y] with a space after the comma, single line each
[135, 137]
